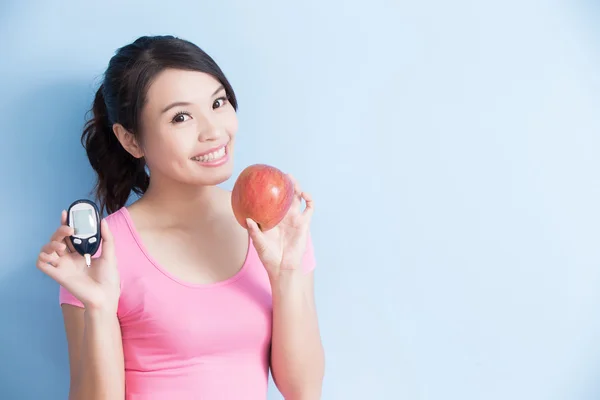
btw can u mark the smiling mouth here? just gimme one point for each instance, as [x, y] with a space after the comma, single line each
[212, 156]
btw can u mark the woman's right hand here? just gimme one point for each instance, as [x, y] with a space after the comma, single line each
[97, 286]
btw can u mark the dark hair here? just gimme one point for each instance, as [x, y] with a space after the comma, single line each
[120, 99]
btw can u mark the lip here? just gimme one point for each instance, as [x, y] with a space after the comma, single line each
[211, 150]
[214, 163]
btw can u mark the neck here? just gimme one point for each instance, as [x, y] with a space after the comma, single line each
[179, 203]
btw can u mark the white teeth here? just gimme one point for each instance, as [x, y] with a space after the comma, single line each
[215, 155]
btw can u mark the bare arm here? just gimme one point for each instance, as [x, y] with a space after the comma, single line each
[297, 356]
[95, 354]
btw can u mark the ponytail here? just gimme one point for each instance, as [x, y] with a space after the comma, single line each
[118, 172]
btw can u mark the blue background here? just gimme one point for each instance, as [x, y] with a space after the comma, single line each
[451, 147]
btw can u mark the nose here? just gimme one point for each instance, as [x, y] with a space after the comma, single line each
[208, 129]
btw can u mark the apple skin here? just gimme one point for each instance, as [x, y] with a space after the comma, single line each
[264, 194]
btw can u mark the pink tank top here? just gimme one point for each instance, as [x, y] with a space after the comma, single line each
[191, 341]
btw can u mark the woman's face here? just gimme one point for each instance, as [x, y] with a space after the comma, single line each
[188, 128]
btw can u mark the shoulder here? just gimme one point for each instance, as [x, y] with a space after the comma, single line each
[120, 228]
[118, 220]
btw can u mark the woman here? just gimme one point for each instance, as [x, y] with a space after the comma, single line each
[181, 302]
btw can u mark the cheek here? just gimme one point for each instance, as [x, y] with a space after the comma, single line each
[162, 148]
[231, 123]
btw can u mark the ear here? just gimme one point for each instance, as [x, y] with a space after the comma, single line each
[128, 141]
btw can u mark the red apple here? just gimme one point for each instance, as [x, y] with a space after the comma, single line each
[262, 193]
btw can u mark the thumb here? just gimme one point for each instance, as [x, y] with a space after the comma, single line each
[256, 235]
[108, 245]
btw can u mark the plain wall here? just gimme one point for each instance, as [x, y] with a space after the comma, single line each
[451, 148]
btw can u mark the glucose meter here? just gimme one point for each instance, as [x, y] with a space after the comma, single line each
[84, 218]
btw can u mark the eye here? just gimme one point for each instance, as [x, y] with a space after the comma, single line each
[180, 117]
[220, 102]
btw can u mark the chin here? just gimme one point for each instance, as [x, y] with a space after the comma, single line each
[213, 176]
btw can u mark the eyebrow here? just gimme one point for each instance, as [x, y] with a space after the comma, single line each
[186, 103]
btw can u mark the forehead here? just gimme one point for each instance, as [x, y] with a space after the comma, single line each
[176, 85]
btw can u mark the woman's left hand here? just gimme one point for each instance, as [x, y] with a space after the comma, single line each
[282, 247]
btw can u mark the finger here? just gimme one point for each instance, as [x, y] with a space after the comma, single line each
[297, 189]
[310, 206]
[48, 269]
[253, 227]
[45, 263]
[61, 233]
[54, 247]
[49, 258]
[296, 202]
[108, 246]
[64, 228]
[69, 244]
[256, 234]
[67, 240]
